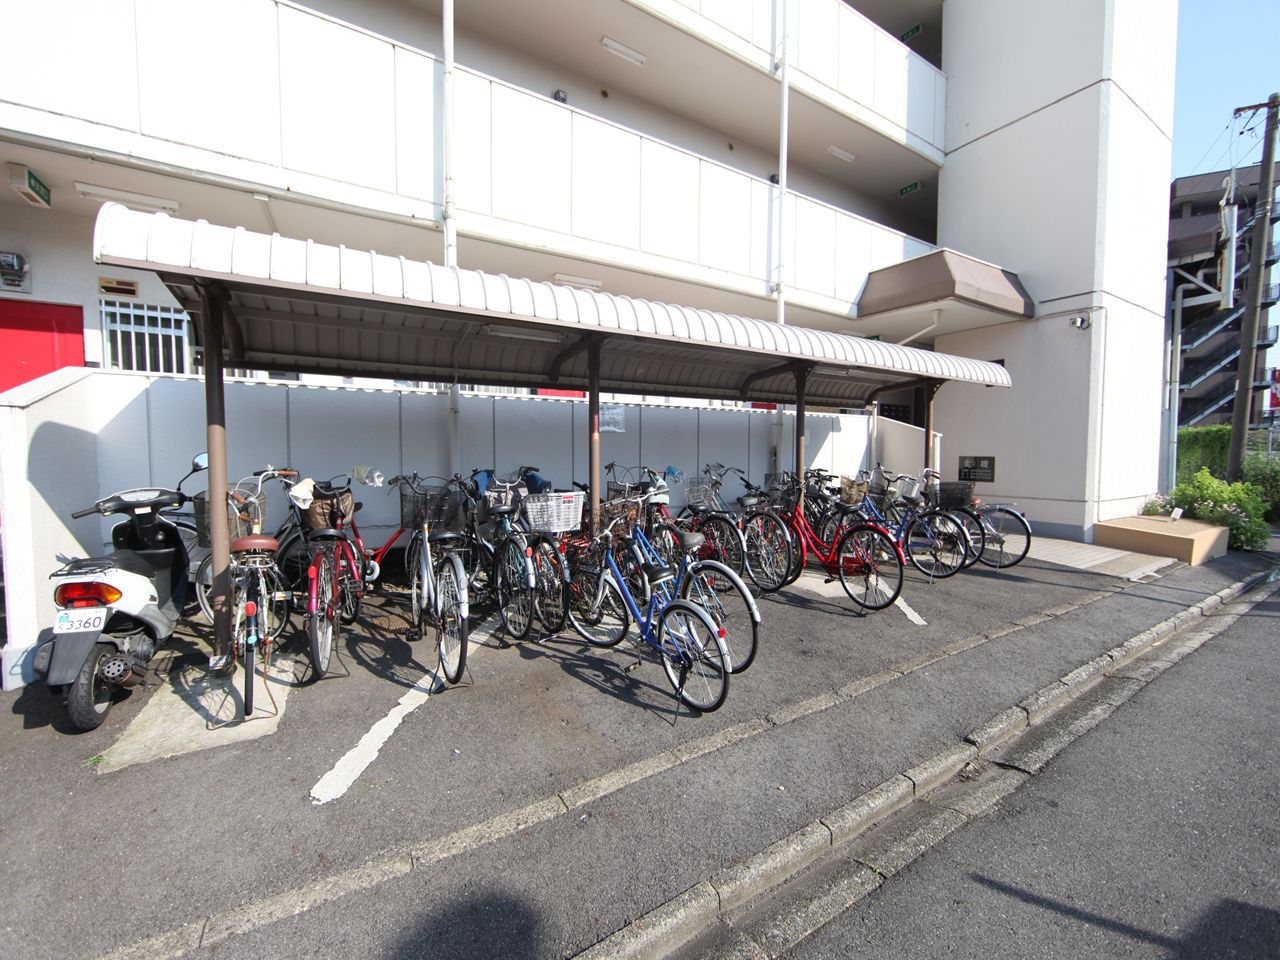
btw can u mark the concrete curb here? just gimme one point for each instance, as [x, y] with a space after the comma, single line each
[674, 923]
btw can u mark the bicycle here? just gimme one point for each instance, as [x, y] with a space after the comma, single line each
[547, 517]
[503, 558]
[767, 545]
[1000, 534]
[863, 556]
[689, 643]
[437, 577]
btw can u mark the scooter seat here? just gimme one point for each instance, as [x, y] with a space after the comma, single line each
[255, 543]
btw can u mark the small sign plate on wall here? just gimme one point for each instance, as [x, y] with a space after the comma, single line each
[978, 469]
[613, 418]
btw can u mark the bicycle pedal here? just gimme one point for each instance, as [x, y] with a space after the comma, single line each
[413, 633]
[829, 580]
[632, 667]
[219, 662]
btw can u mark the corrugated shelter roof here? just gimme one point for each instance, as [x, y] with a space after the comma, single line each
[311, 307]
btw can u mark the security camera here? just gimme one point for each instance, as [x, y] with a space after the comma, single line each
[1081, 321]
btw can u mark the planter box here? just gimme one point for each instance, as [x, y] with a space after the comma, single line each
[1190, 541]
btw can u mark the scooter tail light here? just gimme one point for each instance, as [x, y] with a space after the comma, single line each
[85, 593]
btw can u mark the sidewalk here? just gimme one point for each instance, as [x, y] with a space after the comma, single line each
[546, 807]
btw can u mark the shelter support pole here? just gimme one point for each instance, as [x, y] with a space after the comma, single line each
[593, 418]
[930, 389]
[212, 303]
[801, 371]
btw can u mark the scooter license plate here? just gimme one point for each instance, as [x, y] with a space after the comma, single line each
[78, 621]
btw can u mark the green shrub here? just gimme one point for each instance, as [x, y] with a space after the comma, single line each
[1238, 506]
[1265, 474]
[1203, 447]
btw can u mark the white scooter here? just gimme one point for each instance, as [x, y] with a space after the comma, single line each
[115, 610]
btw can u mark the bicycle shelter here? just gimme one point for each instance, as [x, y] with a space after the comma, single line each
[273, 303]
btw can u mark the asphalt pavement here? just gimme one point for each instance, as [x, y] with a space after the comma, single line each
[552, 801]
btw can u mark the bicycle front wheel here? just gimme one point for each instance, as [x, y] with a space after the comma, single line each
[451, 627]
[550, 596]
[596, 610]
[693, 656]
[322, 628]
[1008, 537]
[511, 583]
[717, 590]
[724, 542]
[977, 537]
[936, 545]
[869, 567]
[768, 557]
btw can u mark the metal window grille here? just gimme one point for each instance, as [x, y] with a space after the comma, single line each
[144, 337]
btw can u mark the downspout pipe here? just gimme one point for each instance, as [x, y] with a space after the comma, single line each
[446, 89]
[784, 132]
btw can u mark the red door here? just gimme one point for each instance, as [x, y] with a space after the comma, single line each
[37, 338]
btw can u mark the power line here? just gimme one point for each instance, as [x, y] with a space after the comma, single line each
[1196, 168]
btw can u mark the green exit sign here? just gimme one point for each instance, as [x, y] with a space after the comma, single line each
[39, 187]
[912, 33]
[909, 189]
[29, 187]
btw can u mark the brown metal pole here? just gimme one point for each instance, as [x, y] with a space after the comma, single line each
[802, 379]
[1241, 411]
[212, 300]
[593, 418]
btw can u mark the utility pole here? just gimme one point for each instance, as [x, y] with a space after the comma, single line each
[1242, 408]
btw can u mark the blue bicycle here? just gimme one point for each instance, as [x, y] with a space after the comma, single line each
[685, 637]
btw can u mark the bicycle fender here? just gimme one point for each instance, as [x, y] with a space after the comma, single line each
[733, 578]
[528, 572]
[70, 650]
[464, 604]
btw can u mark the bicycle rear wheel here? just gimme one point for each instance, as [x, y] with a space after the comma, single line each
[451, 627]
[693, 656]
[717, 590]
[724, 542]
[977, 537]
[511, 583]
[1008, 537]
[322, 627]
[596, 610]
[936, 545]
[768, 556]
[550, 596]
[869, 567]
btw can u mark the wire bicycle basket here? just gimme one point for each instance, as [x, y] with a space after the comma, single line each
[703, 493]
[445, 509]
[415, 501]
[245, 514]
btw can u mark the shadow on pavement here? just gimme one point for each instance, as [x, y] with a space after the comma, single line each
[487, 925]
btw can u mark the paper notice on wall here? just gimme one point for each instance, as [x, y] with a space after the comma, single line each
[613, 418]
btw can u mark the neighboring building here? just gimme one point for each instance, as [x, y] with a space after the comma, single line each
[1206, 319]
[633, 146]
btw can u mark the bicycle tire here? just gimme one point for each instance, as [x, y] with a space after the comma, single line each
[204, 588]
[413, 561]
[935, 545]
[869, 567]
[323, 628]
[1008, 537]
[596, 610]
[247, 627]
[350, 586]
[972, 525]
[511, 583]
[722, 594]
[550, 594]
[693, 656]
[723, 543]
[451, 626]
[768, 550]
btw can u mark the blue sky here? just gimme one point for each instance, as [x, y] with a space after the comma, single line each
[1227, 58]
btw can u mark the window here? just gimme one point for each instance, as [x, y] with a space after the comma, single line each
[143, 337]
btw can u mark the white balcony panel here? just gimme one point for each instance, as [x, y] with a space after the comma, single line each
[853, 256]
[816, 41]
[418, 127]
[763, 206]
[90, 34]
[857, 55]
[725, 219]
[193, 97]
[815, 253]
[887, 248]
[337, 101]
[890, 94]
[734, 15]
[532, 160]
[940, 111]
[606, 182]
[920, 96]
[669, 202]
[473, 152]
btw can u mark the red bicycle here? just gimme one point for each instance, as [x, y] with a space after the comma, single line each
[864, 557]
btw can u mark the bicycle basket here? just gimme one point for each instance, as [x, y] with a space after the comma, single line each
[852, 491]
[445, 509]
[611, 510]
[415, 499]
[328, 508]
[554, 512]
[243, 519]
[878, 485]
[953, 494]
[702, 493]
[613, 490]
[909, 488]
[500, 495]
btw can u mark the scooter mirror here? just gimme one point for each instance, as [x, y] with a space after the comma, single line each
[199, 462]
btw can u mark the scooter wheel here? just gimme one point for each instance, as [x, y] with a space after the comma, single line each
[89, 698]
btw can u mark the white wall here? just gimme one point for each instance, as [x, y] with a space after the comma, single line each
[73, 436]
[1058, 126]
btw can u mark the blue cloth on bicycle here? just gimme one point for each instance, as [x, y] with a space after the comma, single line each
[483, 479]
[537, 483]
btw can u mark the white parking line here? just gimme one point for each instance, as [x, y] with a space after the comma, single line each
[914, 617]
[817, 583]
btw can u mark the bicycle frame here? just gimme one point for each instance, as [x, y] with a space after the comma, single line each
[827, 553]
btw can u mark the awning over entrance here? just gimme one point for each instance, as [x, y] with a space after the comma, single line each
[309, 307]
[965, 291]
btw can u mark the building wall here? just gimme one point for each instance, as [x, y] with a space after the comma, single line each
[1058, 123]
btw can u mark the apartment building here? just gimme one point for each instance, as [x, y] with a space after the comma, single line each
[1211, 222]
[979, 177]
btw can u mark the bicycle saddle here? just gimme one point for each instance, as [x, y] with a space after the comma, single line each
[699, 508]
[255, 543]
[690, 540]
[748, 501]
[657, 573]
[503, 510]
